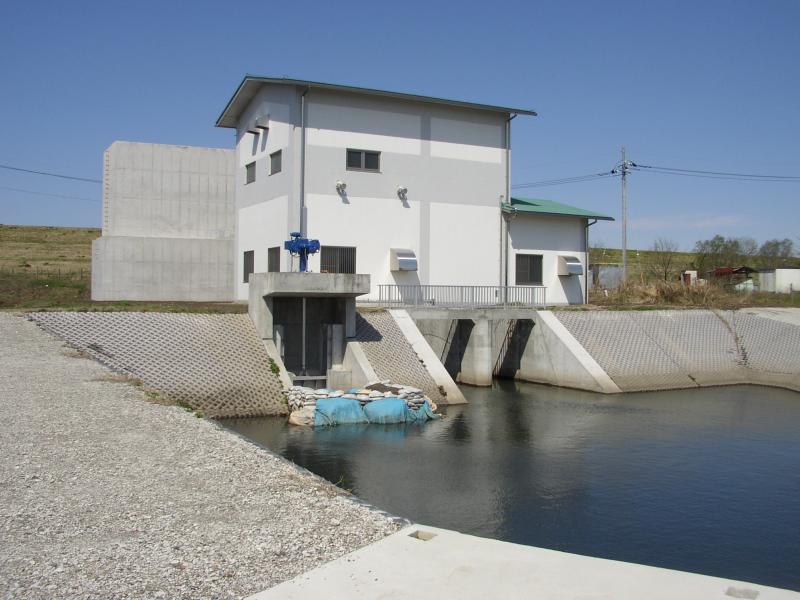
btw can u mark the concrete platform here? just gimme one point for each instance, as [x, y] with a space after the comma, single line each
[453, 565]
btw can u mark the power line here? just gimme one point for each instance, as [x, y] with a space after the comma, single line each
[715, 174]
[10, 168]
[12, 189]
[564, 180]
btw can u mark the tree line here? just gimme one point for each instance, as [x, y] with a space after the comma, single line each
[663, 261]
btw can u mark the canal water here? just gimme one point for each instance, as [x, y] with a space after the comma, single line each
[697, 480]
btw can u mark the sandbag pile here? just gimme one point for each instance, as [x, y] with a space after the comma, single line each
[299, 397]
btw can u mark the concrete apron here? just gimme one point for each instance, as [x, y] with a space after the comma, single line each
[428, 563]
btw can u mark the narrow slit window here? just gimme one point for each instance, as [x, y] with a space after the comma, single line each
[275, 162]
[249, 264]
[250, 173]
[274, 259]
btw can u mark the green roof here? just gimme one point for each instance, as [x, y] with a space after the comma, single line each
[251, 83]
[548, 207]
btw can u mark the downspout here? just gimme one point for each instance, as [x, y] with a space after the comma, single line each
[586, 261]
[505, 239]
[303, 232]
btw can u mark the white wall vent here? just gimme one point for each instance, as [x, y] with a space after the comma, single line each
[569, 265]
[402, 260]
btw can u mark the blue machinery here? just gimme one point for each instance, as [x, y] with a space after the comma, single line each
[302, 247]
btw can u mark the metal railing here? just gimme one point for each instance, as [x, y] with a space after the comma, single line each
[462, 295]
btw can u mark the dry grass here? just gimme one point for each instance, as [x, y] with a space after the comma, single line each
[676, 295]
[49, 268]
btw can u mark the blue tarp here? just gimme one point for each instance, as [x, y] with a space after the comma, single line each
[335, 411]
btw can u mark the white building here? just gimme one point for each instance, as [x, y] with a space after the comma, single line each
[371, 174]
[367, 172]
[782, 281]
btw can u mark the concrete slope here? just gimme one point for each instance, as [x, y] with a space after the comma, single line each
[393, 356]
[215, 363]
[667, 349]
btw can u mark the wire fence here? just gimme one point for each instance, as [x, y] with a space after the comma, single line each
[47, 273]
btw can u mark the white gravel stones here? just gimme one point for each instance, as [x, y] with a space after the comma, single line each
[103, 495]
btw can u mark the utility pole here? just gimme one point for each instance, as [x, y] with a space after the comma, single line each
[624, 167]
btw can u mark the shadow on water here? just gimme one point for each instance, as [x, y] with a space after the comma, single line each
[697, 480]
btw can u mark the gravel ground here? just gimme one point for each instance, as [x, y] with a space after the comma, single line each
[103, 494]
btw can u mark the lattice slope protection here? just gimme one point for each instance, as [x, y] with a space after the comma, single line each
[668, 349]
[215, 363]
[391, 354]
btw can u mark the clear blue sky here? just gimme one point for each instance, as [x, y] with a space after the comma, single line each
[712, 85]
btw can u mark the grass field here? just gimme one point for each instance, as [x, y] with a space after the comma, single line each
[51, 268]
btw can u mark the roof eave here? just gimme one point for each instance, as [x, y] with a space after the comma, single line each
[510, 208]
[226, 120]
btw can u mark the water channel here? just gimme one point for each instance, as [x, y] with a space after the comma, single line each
[697, 480]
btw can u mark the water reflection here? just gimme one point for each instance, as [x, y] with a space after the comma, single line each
[698, 480]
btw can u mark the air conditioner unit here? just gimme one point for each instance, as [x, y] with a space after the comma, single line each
[402, 260]
[569, 265]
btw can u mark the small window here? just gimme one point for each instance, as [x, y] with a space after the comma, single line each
[337, 259]
[274, 259]
[529, 269]
[363, 160]
[249, 264]
[275, 162]
[250, 172]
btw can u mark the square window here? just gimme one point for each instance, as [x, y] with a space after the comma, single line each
[353, 159]
[529, 269]
[275, 162]
[363, 160]
[337, 259]
[250, 173]
[372, 161]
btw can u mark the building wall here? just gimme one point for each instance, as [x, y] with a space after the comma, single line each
[168, 224]
[451, 160]
[787, 280]
[156, 190]
[550, 236]
[161, 269]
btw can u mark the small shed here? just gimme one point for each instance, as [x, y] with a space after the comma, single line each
[781, 281]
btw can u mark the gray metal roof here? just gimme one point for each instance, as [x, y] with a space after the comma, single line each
[251, 83]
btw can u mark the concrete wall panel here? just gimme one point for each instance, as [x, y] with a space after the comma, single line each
[161, 269]
[168, 224]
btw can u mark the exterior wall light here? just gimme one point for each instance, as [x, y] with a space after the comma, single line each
[341, 186]
[401, 192]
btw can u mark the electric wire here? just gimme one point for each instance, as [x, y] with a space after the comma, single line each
[35, 193]
[49, 174]
[714, 174]
[565, 180]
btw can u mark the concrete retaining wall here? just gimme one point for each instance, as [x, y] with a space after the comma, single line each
[168, 224]
[613, 351]
[668, 349]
